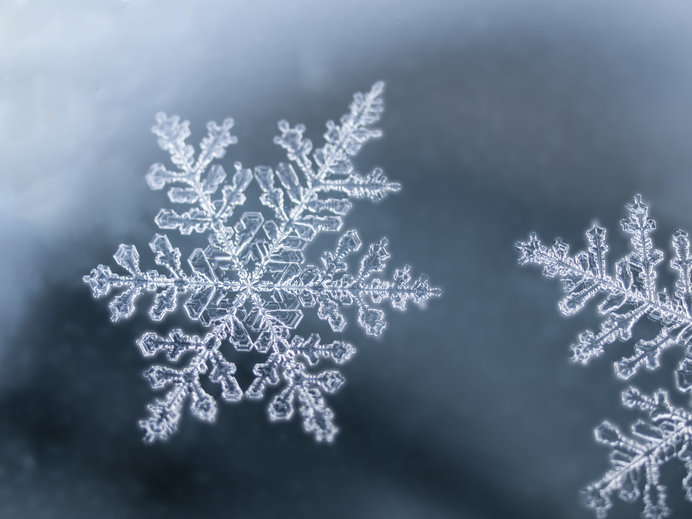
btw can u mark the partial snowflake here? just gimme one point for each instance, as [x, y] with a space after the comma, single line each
[629, 294]
[665, 435]
[250, 285]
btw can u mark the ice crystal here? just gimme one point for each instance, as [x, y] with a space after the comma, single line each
[665, 435]
[628, 294]
[251, 283]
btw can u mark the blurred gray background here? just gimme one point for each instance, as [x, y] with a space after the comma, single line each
[501, 117]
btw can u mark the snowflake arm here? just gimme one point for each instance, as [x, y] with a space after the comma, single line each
[300, 209]
[184, 383]
[636, 459]
[330, 168]
[288, 363]
[628, 294]
[334, 288]
[250, 285]
[194, 184]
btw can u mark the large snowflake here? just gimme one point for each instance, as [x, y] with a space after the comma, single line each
[250, 284]
[630, 293]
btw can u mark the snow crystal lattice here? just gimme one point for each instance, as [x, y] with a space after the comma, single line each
[629, 294]
[249, 286]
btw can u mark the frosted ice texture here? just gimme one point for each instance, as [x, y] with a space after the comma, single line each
[251, 283]
[627, 294]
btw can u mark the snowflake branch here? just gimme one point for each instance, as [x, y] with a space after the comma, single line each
[665, 436]
[628, 297]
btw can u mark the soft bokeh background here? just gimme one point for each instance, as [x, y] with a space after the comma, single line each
[502, 117]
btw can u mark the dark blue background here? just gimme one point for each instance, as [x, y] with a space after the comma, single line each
[501, 117]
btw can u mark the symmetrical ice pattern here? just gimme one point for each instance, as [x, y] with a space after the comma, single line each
[251, 283]
[628, 294]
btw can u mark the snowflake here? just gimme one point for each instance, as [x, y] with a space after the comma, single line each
[629, 294]
[249, 286]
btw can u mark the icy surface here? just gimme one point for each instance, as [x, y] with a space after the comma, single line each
[251, 283]
[628, 294]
